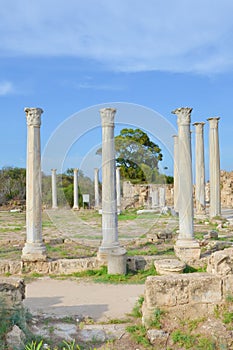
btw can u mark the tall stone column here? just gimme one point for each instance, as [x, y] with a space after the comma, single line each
[76, 206]
[162, 197]
[54, 189]
[186, 247]
[34, 249]
[118, 188]
[96, 185]
[214, 164]
[109, 202]
[176, 174]
[200, 169]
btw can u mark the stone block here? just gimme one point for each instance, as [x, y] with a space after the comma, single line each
[12, 291]
[221, 262]
[169, 266]
[182, 293]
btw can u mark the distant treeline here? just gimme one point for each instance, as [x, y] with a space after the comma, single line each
[13, 187]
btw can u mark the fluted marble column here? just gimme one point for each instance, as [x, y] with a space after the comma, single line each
[109, 202]
[176, 174]
[54, 189]
[118, 188]
[214, 166]
[75, 206]
[96, 185]
[186, 247]
[34, 249]
[199, 169]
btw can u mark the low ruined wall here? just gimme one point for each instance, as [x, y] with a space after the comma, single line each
[12, 291]
[192, 295]
[59, 266]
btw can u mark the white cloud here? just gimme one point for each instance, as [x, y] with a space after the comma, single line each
[6, 88]
[126, 35]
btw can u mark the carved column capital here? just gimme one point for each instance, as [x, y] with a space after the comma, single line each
[199, 127]
[184, 115]
[33, 116]
[107, 116]
[213, 122]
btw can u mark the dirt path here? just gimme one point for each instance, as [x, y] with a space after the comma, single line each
[77, 298]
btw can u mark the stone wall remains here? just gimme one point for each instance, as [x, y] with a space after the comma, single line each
[189, 296]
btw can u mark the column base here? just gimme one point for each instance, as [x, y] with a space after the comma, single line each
[187, 250]
[75, 208]
[104, 252]
[117, 261]
[34, 252]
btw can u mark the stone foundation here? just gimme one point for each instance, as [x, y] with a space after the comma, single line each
[193, 295]
[12, 291]
[60, 266]
[188, 296]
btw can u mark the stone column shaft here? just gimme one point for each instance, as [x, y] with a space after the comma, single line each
[200, 169]
[214, 166]
[34, 248]
[109, 203]
[176, 174]
[54, 189]
[118, 188]
[76, 206]
[162, 197]
[96, 184]
[186, 248]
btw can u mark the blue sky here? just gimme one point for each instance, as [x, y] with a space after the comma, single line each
[69, 56]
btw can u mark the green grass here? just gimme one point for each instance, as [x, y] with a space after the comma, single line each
[155, 321]
[187, 340]
[101, 276]
[138, 333]
[137, 312]
[191, 269]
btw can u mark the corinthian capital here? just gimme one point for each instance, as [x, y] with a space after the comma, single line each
[213, 122]
[199, 126]
[107, 116]
[33, 116]
[183, 115]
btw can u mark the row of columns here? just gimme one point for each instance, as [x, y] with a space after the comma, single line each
[96, 188]
[34, 248]
[186, 246]
[214, 168]
[54, 189]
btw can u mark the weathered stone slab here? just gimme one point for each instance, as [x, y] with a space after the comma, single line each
[169, 266]
[186, 294]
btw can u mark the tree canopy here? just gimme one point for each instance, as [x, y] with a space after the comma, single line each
[137, 155]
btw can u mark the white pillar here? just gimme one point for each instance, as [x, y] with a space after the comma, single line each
[75, 206]
[109, 203]
[54, 189]
[118, 188]
[176, 174]
[214, 164]
[34, 248]
[199, 169]
[96, 185]
[186, 247]
[162, 197]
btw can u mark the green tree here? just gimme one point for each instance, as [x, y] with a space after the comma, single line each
[137, 155]
[12, 184]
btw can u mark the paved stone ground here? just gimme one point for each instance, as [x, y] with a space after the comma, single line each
[101, 302]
